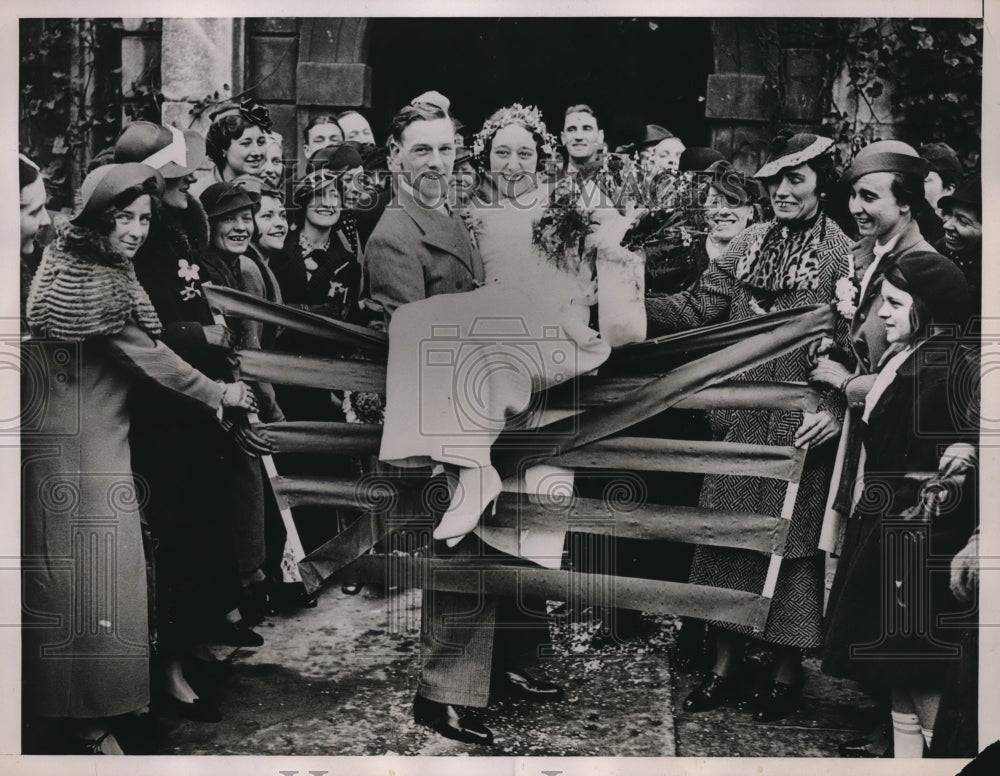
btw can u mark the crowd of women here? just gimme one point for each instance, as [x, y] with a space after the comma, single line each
[151, 533]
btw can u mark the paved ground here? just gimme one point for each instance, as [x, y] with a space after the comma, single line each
[339, 679]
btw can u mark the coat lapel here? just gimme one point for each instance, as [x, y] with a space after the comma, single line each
[445, 232]
[864, 255]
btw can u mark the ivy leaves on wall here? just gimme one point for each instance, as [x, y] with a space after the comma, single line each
[931, 69]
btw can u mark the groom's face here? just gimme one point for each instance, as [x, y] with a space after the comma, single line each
[426, 155]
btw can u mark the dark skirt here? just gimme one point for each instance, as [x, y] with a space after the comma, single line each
[197, 580]
[890, 605]
[795, 617]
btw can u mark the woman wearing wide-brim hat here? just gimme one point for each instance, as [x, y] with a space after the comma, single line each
[95, 335]
[796, 259]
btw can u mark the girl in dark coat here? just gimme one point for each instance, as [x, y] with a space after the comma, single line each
[887, 621]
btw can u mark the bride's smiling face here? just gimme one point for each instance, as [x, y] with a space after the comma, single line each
[513, 159]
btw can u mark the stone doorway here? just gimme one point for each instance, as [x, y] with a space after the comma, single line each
[632, 71]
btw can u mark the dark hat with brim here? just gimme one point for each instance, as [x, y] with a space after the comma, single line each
[257, 186]
[697, 158]
[653, 135]
[886, 156]
[103, 185]
[737, 188]
[312, 184]
[227, 197]
[937, 282]
[968, 192]
[336, 158]
[175, 153]
[788, 152]
[942, 160]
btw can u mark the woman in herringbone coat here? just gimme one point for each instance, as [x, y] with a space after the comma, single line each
[796, 259]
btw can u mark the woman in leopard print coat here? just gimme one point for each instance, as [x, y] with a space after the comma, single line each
[795, 259]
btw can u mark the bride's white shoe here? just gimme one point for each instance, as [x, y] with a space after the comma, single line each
[477, 488]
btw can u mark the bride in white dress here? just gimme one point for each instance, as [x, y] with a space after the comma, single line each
[461, 365]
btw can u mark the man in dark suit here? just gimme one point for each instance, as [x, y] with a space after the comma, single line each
[421, 248]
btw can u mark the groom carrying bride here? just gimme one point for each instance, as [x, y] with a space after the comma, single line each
[421, 248]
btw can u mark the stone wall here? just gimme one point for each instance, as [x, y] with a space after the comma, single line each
[302, 67]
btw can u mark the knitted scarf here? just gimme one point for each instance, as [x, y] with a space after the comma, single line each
[83, 288]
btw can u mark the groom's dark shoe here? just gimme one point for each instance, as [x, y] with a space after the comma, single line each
[450, 721]
[520, 683]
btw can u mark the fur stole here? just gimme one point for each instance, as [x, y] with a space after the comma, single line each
[180, 234]
[83, 288]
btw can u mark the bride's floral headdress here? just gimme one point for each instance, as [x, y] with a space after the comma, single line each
[527, 116]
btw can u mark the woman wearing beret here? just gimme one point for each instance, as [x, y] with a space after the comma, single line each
[86, 653]
[889, 610]
[795, 259]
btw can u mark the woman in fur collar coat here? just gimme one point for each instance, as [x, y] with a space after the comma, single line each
[96, 333]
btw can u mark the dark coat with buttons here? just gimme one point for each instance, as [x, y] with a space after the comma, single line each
[886, 621]
[417, 252]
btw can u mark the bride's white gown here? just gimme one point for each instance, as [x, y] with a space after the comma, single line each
[461, 364]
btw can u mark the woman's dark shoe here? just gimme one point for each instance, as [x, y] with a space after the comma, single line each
[450, 722]
[351, 588]
[234, 634]
[711, 693]
[777, 702]
[199, 710]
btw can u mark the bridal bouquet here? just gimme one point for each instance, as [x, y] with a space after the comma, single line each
[667, 204]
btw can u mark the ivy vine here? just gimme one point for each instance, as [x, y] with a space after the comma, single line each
[931, 68]
[70, 96]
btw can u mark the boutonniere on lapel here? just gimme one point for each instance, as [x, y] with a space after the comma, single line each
[847, 295]
[337, 290]
[472, 223]
[846, 292]
[190, 274]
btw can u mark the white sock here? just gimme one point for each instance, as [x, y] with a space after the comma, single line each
[928, 735]
[476, 489]
[906, 738]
